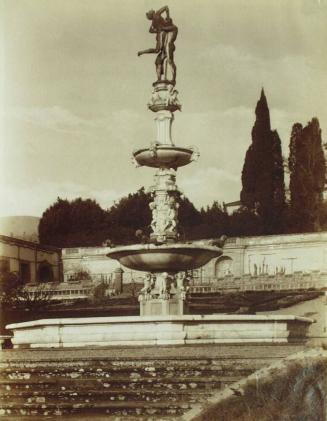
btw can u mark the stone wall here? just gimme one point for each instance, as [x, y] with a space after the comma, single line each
[248, 256]
[315, 309]
[270, 254]
[292, 389]
[251, 256]
[94, 261]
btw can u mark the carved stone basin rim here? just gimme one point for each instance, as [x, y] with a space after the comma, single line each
[164, 258]
[164, 156]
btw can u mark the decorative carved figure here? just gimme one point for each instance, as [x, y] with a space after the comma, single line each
[182, 281]
[172, 215]
[172, 97]
[145, 292]
[163, 285]
[166, 34]
[164, 98]
[164, 206]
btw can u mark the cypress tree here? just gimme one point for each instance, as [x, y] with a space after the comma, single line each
[307, 176]
[263, 188]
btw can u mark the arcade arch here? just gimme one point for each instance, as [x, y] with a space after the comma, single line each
[223, 266]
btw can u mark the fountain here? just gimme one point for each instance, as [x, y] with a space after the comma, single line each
[163, 319]
[164, 258]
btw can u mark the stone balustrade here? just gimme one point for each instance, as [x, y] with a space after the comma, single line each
[295, 281]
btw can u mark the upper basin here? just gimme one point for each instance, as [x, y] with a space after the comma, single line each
[164, 258]
[164, 156]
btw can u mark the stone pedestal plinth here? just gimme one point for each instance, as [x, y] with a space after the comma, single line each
[163, 307]
[163, 103]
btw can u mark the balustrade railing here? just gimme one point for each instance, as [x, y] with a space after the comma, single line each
[295, 281]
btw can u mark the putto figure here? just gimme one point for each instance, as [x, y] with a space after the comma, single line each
[166, 34]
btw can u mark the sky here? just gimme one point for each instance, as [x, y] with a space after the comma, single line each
[74, 93]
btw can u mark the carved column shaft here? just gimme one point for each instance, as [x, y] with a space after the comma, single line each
[163, 120]
[164, 206]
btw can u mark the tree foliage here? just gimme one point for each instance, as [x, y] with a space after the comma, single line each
[189, 219]
[82, 223]
[73, 223]
[307, 176]
[245, 222]
[130, 214]
[263, 189]
[14, 294]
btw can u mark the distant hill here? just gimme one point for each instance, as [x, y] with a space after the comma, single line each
[23, 227]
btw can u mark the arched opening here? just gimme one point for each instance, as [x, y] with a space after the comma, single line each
[45, 272]
[223, 267]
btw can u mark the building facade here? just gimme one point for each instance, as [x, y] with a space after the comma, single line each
[32, 262]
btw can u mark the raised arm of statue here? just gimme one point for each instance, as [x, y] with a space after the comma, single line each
[162, 10]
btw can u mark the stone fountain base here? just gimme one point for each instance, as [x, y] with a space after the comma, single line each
[160, 330]
[159, 307]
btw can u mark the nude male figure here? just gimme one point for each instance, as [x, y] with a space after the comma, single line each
[166, 34]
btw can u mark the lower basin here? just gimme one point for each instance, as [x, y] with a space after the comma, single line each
[164, 156]
[164, 258]
[159, 330]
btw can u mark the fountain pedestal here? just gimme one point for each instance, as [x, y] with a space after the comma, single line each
[164, 258]
[164, 295]
[162, 307]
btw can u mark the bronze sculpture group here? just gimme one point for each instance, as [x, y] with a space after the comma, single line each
[166, 34]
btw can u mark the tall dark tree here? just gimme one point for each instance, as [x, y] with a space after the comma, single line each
[216, 219]
[75, 223]
[263, 188]
[307, 176]
[130, 214]
[189, 219]
[245, 222]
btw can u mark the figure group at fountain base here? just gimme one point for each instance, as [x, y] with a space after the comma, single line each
[164, 293]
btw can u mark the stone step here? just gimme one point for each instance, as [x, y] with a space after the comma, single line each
[95, 417]
[175, 361]
[98, 408]
[109, 369]
[144, 364]
[149, 384]
[125, 377]
[145, 396]
[85, 383]
[99, 394]
[148, 354]
[125, 373]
